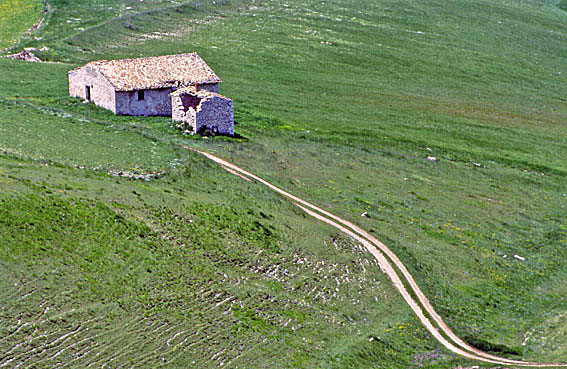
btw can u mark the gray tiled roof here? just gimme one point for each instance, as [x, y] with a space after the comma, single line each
[156, 72]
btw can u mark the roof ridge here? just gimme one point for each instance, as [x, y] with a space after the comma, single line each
[103, 61]
[163, 71]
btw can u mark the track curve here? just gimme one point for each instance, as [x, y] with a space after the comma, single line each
[387, 260]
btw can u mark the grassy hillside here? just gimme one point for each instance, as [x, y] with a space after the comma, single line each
[16, 17]
[101, 270]
[340, 103]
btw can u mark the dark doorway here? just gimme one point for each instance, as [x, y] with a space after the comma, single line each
[88, 93]
[141, 95]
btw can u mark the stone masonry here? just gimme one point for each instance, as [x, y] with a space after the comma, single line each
[154, 102]
[196, 110]
[90, 85]
[140, 86]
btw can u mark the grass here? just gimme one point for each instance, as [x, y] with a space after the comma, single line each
[28, 133]
[16, 17]
[339, 103]
[153, 266]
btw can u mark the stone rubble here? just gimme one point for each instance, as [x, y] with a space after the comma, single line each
[26, 56]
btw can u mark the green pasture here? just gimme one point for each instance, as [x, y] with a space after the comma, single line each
[444, 122]
[166, 273]
[17, 17]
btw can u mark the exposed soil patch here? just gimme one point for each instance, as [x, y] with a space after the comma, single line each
[38, 25]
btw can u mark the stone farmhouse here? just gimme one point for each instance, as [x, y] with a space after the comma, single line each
[148, 86]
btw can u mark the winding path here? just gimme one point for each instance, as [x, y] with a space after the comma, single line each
[391, 265]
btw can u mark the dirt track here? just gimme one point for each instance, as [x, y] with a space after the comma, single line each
[387, 260]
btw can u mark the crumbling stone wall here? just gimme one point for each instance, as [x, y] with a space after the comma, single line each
[215, 113]
[200, 111]
[156, 101]
[101, 91]
[179, 115]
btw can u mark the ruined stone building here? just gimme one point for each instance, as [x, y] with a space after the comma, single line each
[143, 86]
[197, 111]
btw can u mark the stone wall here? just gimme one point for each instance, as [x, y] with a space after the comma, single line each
[101, 91]
[182, 118]
[155, 102]
[199, 111]
[215, 113]
[212, 87]
[103, 94]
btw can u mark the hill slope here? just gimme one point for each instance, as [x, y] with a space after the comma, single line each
[341, 103]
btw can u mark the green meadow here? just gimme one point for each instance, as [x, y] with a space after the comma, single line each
[17, 17]
[443, 122]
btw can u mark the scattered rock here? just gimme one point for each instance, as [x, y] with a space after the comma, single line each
[365, 214]
[431, 158]
[136, 176]
[25, 55]
[35, 49]
[519, 257]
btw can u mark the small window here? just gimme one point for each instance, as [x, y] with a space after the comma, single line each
[141, 95]
[88, 93]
